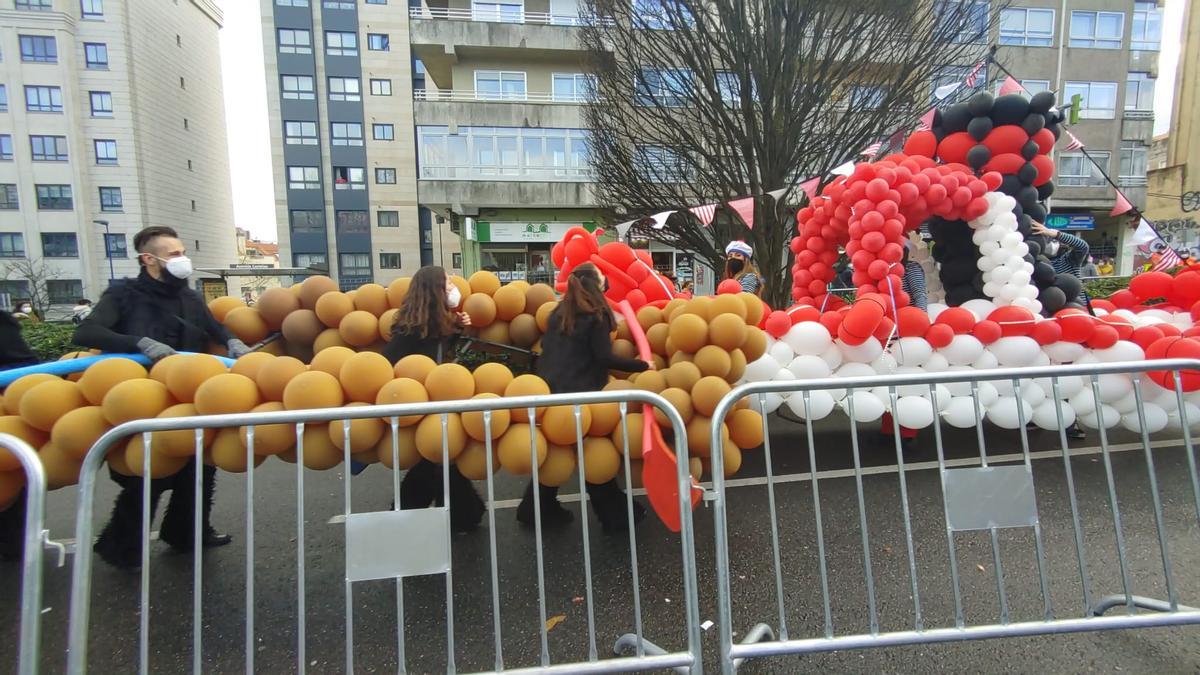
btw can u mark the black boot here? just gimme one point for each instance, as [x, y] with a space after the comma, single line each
[466, 506]
[177, 522]
[12, 529]
[610, 504]
[553, 512]
[421, 486]
[120, 542]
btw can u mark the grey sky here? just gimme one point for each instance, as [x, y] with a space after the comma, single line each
[246, 108]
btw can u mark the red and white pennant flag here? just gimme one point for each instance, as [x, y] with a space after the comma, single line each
[1167, 261]
[871, 150]
[704, 213]
[1074, 143]
[973, 76]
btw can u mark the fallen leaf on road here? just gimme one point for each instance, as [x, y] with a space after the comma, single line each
[554, 621]
[888, 549]
[577, 599]
[980, 568]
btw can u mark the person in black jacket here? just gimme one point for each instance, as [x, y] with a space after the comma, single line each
[576, 357]
[14, 353]
[428, 324]
[156, 314]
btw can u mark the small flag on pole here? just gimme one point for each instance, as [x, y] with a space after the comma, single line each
[809, 187]
[871, 150]
[1010, 86]
[1074, 143]
[926, 121]
[660, 219]
[704, 213]
[973, 76]
[945, 90]
[1168, 260]
[1122, 205]
[1145, 233]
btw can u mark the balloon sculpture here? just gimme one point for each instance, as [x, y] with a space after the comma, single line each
[631, 276]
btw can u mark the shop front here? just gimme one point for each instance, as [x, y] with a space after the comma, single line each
[515, 251]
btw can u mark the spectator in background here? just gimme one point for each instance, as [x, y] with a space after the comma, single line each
[1089, 269]
[1105, 268]
[914, 281]
[739, 267]
[24, 311]
[14, 353]
[81, 310]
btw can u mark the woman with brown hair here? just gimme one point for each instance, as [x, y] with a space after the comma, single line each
[576, 357]
[739, 267]
[429, 324]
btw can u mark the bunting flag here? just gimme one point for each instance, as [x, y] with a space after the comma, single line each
[1167, 260]
[945, 90]
[623, 228]
[777, 194]
[973, 76]
[1073, 143]
[809, 187]
[745, 209]
[1145, 233]
[705, 213]
[843, 169]
[926, 121]
[1122, 206]
[871, 150]
[1010, 86]
[660, 219]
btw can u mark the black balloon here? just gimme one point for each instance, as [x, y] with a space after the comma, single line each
[1034, 122]
[1042, 102]
[1045, 190]
[1037, 212]
[1043, 272]
[980, 104]
[1027, 174]
[937, 117]
[956, 118]
[957, 295]
[1029, 151]
[1010, 109]
[1052, 299]
[958, 270]
[1054, 129]
[1069, 284]
[979, 127]
[978, 155]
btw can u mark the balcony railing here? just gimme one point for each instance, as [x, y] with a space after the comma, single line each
[506, 16]
[509, 173]
[471, 95]
[1132, 181]
[1139, 114]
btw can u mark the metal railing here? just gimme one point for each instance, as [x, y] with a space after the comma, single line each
[29, 649]
[473, 95]
[509, 173]
[378, 545]
[507, 16]
[985, 494]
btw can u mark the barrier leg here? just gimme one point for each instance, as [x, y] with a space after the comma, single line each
[29, 648]
[1153, 604]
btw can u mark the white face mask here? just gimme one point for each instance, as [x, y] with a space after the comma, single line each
[25, 309]
[1051, 249]
[179, 267]
[453, 297]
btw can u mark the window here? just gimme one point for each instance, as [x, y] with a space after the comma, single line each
[40, 98]
[338, 43]
[418, 75]
[292, 3]
[495, 85]
[378, 42]
[91, 9]
[1097, 30]
[383, 132]
[308, 222]
[498, 11]
[300, 133]
[729, 87]
[6, 147]
[1146, 33]
[389, 261]
[12, 245]
[15, 288]
[38, 49]
[1139, 91]
[660, 164]
[381, 87]
[349, 178]
[9, 199]
[305, 260]
[338, 4]
[298, 87]
[385, 177]
[503, 153]
[295, 41]
[64, 291]
[1133, 161]
[1031, 86]
[54, 197]
[1099, 99]
[304, 178]
[661, 15]
[388, 219]
[40, 5]
[115, 246]
[95, 54]
[967, 20]
[456, 261]
[3, 98]
[355, 264]
[1028, 27]
[376, 2]
[59, 245]
[106, 151]
[353, 222]
[48, 148]
[346, 133]
[1075, 169]
[102, 105]
[574, 87]
[663, 86]
[110, 199]
[867, 97]
[344, 89]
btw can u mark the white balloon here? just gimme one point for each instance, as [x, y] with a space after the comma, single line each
[782, 353]
[989, 248]
[1114, 387]
[1031, 304]
[1046, 415]
[807, 366]
[1064, 352]
[1020, 278]
[911, 389]
[987, 394]
[1088, 357]
[914, 412]
[1000, 275]
[1003, 387]
[784, 375]
[832, 355]
[1004, 414]
[1068, 386]
[1156, 419]
[1150, 314]
[770, 403]
[1083, 402]
[979, 307]
[1123, 350]
[1032, 393]
[855, 370]
[867, 406]
[985, 264]
[1126, 404]
[936, 364]
[1106, 415]
[960, 412]
[943, 397]
[1016, 351]
[1011, 239]
[992, 288]
[1041, 360]
[934, 309]
[866, 352]
[986, 361]
[963, 350]
[808, 337]
[912, 351]
[885, 364]
[959, 388]
[761, 369]
[817, 407]
[1190, 412]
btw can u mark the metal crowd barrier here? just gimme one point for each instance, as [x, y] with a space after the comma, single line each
[405, 546]
[29, 649]
[990, 497]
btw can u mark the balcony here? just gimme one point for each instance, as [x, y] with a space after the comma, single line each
[459, 107]
[506, 16]
[474, 95]
[491, 192]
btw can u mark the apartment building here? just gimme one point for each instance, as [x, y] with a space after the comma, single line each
[112, 119]
[451, 131]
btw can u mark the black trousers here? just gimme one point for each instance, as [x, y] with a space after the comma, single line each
[12, 529]
[120, 542]
[423, 486]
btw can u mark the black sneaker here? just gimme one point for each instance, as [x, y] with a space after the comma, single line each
[1075, 432]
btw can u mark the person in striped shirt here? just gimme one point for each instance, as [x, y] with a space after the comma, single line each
[914, 281]
[739, 268]
[1066, 252]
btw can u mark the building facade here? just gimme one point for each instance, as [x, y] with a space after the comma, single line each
[112, 119]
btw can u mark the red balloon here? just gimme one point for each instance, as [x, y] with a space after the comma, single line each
[849, 338]
[1045, 141]
[1046, 332]
[1103, 337]
[1077, 326]
[778, 324]
[1123, 299]
[960, 320]
[987, 331]
[1100, 303]
[912, 322]
[636, 298]
[1146, 335]
[877, 190]
[884, 330]
[831, 321]
[1168, 330]
[864, 316]
[976, 208]
[1045, 169]
[935, 195]
[1158, 348]
[801, 313]
[1178, 348]
[729, 286]
[954, 147]
[1149, 285]
[1007, 163]
[873, 241]
[939, 335]
[1185, 289]
[1120, 324]
[1013, 320]
[1007, 138]
[992, 180]
[618, 253]
[577, 250]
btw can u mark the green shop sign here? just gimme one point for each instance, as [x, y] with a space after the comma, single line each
[517, 232]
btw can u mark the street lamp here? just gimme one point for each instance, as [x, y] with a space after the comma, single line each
[112, 274]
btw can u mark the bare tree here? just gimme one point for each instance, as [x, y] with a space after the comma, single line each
[35, 273]
[705, 101]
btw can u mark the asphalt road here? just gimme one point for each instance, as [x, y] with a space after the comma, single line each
[114, 625]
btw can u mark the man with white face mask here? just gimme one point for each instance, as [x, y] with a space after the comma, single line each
[156, 314]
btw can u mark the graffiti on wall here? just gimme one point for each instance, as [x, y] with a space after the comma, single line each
[1190, 201]
[1181, 234]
